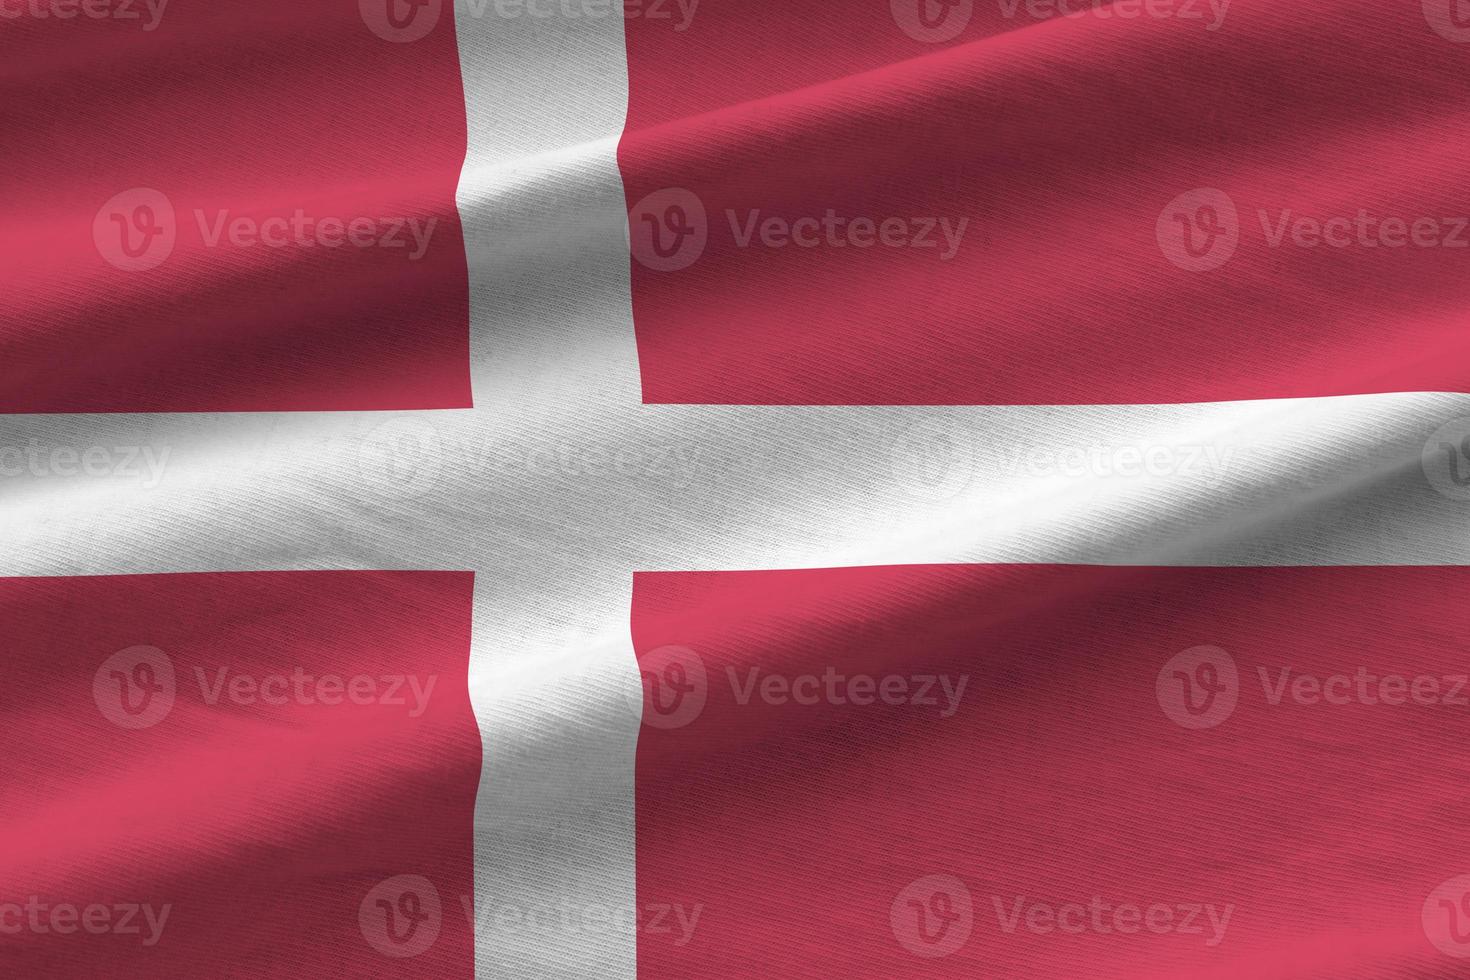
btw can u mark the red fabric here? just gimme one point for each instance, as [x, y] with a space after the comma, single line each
[263, 827]
[795, 828]
[255, 111]
[1061, 141]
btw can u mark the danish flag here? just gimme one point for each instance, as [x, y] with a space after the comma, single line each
[677, 489]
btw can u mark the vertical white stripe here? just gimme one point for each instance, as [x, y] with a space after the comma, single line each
[553, 673]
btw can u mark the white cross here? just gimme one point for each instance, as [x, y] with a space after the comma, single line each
[516, 489]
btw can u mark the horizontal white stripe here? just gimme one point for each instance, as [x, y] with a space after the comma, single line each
[1311, 481]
